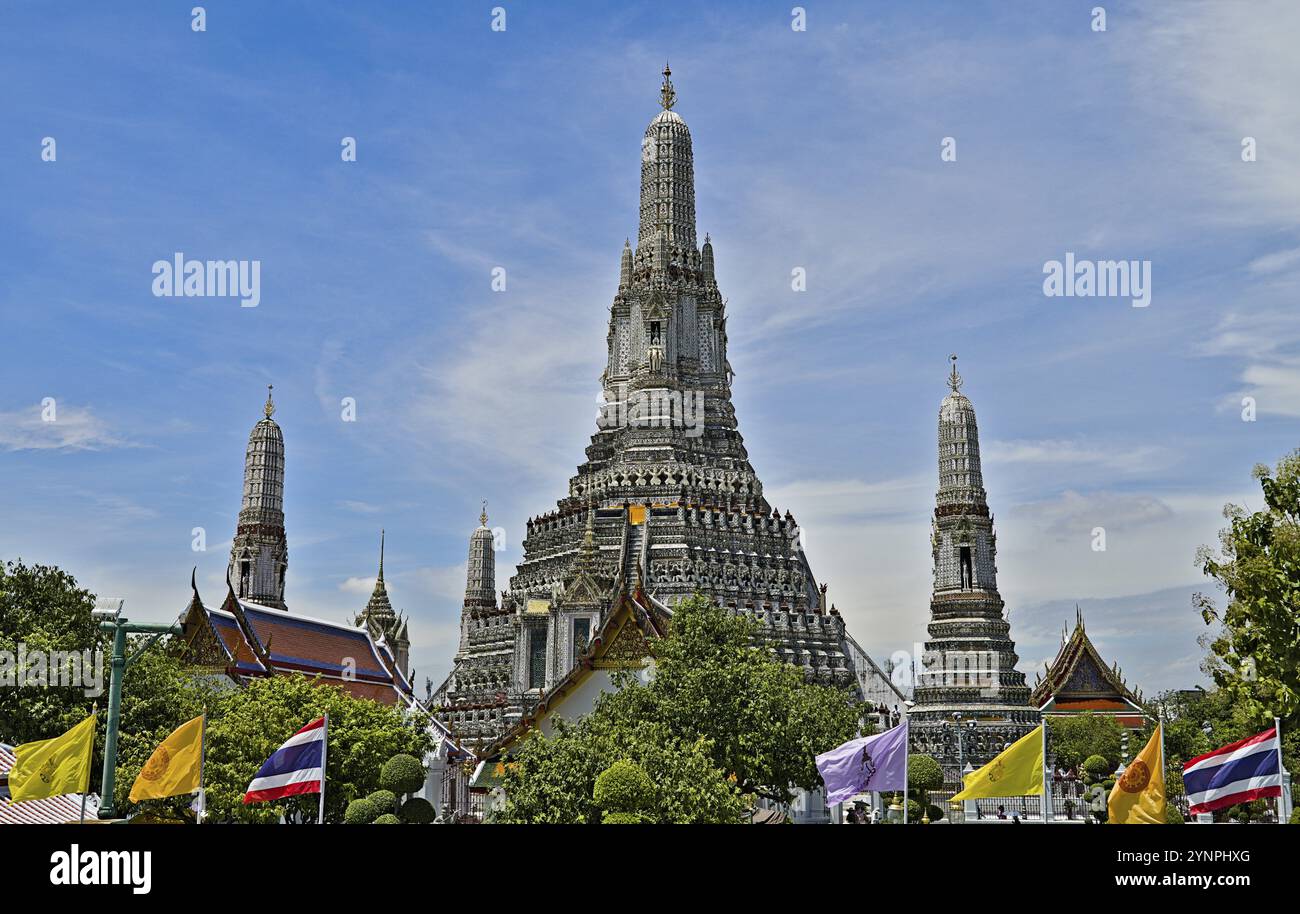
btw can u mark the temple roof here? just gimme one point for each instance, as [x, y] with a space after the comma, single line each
[1079, 679]
[255, 640]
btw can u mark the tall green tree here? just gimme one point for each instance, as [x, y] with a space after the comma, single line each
[1255, 654]
[717, 703]
[43, 609]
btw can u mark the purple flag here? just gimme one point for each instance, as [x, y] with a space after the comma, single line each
[869, 763]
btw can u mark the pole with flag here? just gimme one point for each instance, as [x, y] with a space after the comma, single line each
[324, 750]
[1047, 781]
[1281, 772]
[868, 763]
[1249, 769]
[296, 768]
[201, 801]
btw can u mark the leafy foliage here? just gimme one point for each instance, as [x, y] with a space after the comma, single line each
[417, 811]
[387, 819]
[924, 773]
[624, 788]
[251, 723]
[720, 719]
[402, 774]
[384, 800]
[360, 812]
[1256, 653]
[1073, 738]
[42, 608]
[1097, 768]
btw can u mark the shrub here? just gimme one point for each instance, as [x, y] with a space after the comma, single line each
[1173, 816]
[360, 812]
[402, 774]
[417, 811]
[1096, 767]
[924, 773]
[624, 787]
[385, 800]
[387, 819]
[1295, 816]
[935, 812]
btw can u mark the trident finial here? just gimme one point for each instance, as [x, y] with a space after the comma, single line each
[954, 379]
[269, 409]
[482, 518]
[667, 97]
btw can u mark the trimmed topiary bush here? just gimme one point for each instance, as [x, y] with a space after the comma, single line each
[1095, 767]
[360, 812]
[387, 819]
[624, 787]
[417, 811]
[924, 773]
[402, 774]
[1295, 816]
[1173, 816]
[385, 800]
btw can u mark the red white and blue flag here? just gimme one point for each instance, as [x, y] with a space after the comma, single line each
[295, 768]
[1246, 770]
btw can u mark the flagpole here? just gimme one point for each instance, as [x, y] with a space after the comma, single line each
[1281, 772]
[1047, 781]
[203, 761]
[324, 749]
[90, 754]
[907, 755]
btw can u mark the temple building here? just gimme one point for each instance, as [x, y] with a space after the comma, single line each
[970, 700]
[666, 503]
[1078, 681]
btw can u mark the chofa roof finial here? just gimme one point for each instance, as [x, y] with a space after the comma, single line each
[954, 379]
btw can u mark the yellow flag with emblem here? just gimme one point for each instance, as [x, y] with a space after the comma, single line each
[1138, 797]
[1016, 772]
[53, 767]
[175, 766]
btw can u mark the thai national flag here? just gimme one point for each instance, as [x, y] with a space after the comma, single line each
[1246, 770]
[295, 768]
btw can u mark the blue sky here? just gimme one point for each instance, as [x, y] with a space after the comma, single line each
[816, 149]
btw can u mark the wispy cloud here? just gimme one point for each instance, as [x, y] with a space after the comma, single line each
[70, 428]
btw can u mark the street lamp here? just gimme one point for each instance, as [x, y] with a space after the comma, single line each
[109, 615]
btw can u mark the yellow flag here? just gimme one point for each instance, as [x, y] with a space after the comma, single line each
[1016, 772]
[174, 766]
[1138, 797]
[53, 767]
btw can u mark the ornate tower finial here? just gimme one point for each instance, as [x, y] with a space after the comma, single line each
[482, 517]
[381, 555]
[269, 409]
[954, 379]
[667, 97]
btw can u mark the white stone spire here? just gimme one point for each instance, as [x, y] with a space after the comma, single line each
[259, 555]
[667, 180]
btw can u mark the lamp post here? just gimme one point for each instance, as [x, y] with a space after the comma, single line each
[112, 620]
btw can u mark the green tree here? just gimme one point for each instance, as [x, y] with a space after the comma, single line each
[43, 609]
[1072, 738]
[625, 793]
[719, 719]
[248, 724]
[1255, 656]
